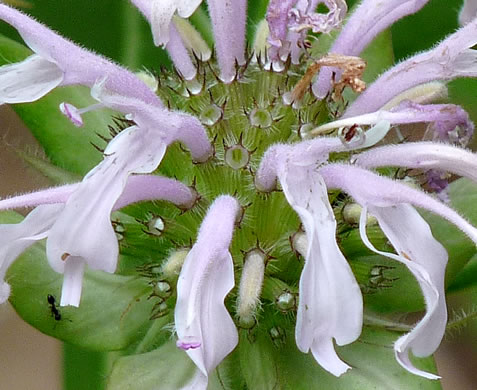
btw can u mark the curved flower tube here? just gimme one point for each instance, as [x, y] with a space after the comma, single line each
[445, 118]
[82, 233]
[369, 19]
[204, 327]
[51, 202]
[416, 247]
[83, 230]
[56, 63]
[76, 218]
[138, 188]
[423, 155]
[452, 58]
[331, 305]
[384, 192]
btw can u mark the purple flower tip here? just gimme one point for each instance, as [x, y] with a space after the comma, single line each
[72, 113]
[188, 345]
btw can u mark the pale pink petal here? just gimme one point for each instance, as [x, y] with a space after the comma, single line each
[16, 238]
[228, 21]
[204, 326]
[369, 188]
[451, 59]
[330, 305]
[84, 229]
[423, 155]
[426, 258]
[29, 80]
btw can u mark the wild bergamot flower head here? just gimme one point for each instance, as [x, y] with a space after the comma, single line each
[239, 152]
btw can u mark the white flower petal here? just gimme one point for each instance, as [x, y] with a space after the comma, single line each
[72, 281]
[29, 80]
[330, 304]
[204, 327]
[426, 258]
[161, 17]
[16, 238]
[186, 8]
[84, 229]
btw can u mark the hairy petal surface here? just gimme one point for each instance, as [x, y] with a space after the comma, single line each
[315, 151]
[138, 188]
[228, 21]
[368, 188]
[444, 118]
[423, 155]
[411, 236]
[369, 19]
[204, 327]
[450, 59]
[169, 125]
[77, 65]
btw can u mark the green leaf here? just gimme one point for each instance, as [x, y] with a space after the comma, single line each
[269, 365]
[84, 369]
[425, 28]
[114, 310]
[41, 165]
[66, 145]
[165, 368]
[466, 278]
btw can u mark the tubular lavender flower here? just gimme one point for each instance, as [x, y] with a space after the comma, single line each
[211, 174]
[452, 58]
[369, 19]
[411, 237]
[445, 118]
[204, 327]
[55, 63]
[136, 150]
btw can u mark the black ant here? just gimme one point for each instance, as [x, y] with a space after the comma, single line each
[54, 310]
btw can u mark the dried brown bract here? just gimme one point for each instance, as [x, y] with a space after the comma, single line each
[352, 68]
